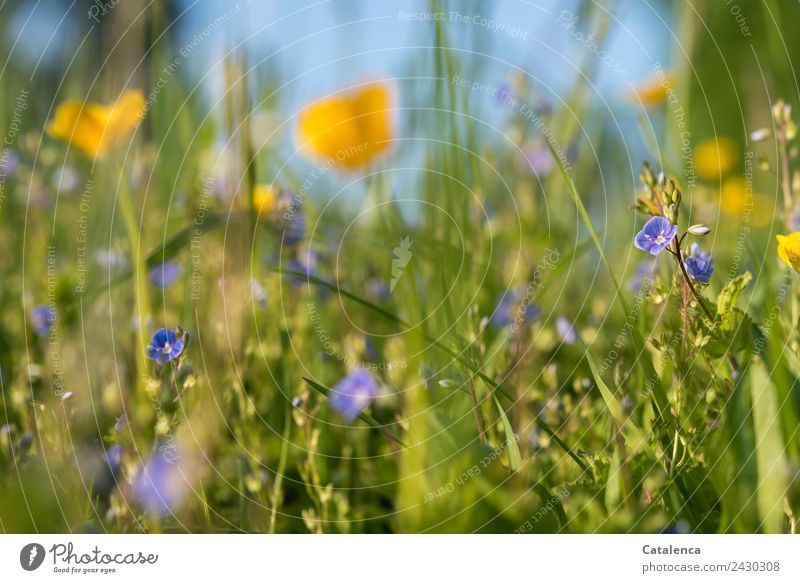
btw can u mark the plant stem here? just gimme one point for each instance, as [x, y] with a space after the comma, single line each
[476, 412]
[688, 279]
[139, 259]
[786, 184]
[709, 315]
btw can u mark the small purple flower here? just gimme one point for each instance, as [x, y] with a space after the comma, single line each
[699, 265]
[295, 227]
[566, 330]
[642, 277]
[258, 293]
[504, 94]
[656, 234]
[121, 423]
[696, 251]
[540, 160]
[108, 474]
[9, 162]
[305, 264]
[512, 307]
[377, 289]
[110, 259]
[42, 319]
[165, 346]
[66, 179]
[353, 393]
[164, 275]
[114, 458]
[160, 485]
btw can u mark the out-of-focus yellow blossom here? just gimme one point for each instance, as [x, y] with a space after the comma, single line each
[351, 129]
[95, 129]
[736, 198]
[654, 91]
[715, 157]
[789, 250]
[264, 197]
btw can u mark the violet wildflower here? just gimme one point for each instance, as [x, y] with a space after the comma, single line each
[295, 228]
[165, 346]
[353, 393]
[513, 307]
[42, 319]
[108, 473]
[258, 293]
[642, 277]
[566, 330]
[656, 234]
[160, 486]
[66, 179]
[699, 265]
[121, 423]
[164, 275]
[504, 94]
[110, 259]
[540, 160]
[25, 442]
[305, 264]
[9, 162]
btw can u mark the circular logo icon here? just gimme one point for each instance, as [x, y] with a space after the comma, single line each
[31, 556]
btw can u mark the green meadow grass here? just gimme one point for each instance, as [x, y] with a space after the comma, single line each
[654, 417]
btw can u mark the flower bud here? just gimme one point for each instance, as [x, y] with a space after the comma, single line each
[699, 230]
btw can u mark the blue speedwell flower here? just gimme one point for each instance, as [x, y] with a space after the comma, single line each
[699, 265]
[566, 330]
[258, 293]
[164, 275]
[42, 319]
[108, 473]
[160, 485]
[642, 277]
[295, 228]
[165, 346]
[656, 234]
[512, 306]
[353, 393]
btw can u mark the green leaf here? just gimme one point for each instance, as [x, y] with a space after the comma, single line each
[727, 298]
[514, 458]
[769, 450]
[633, 436]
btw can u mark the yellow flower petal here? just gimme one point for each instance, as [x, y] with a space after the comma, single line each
[715, 157]
[653, 91]
[733, 196]
[352, 129]
[264, 197]
[789, 250]
[95, 129]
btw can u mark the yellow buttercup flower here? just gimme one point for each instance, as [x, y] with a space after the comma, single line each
[264, 197]
[737, 197]
[715, 157]
[789, 250]
[654, 91]
[351, 129]
[94, 128]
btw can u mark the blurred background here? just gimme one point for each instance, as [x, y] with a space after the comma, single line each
[489, 103]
